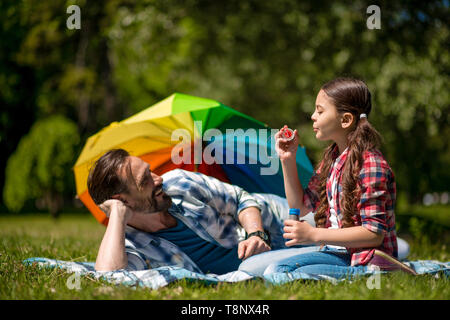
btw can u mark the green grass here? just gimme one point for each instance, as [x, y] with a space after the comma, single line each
[77, 237]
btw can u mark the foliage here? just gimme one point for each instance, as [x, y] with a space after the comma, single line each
[40, 168]
[267, 59]
[33, 235]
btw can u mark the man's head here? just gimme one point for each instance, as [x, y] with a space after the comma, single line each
[117, 175]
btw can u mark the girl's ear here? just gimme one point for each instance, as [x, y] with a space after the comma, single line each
[347, 120]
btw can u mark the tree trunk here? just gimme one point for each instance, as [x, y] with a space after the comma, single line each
[54, 203]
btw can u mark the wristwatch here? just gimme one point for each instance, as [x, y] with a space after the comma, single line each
[261, 234]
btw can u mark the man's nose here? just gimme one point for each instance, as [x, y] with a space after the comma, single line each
[157, 180]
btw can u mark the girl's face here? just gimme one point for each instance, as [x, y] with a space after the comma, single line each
[327, 122]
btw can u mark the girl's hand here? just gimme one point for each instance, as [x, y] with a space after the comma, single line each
[286, 149]
[300, 232]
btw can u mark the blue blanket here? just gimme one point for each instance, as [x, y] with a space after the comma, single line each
[162, 276]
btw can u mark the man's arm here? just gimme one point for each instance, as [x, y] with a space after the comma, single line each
[111, 255]
[250, 219]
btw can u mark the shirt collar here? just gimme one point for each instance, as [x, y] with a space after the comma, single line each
[339, 158]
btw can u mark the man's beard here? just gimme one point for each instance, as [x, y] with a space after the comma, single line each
[162, 204]
[154, 205]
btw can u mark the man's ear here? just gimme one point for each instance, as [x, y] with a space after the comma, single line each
[119, 197]
[347, 120]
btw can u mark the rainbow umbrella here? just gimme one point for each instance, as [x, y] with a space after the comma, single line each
[194, 134]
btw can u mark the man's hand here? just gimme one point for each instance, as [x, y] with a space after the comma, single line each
[114, 206]
[251, 246]
[300, 232]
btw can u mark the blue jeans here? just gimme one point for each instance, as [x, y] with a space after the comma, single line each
[258, 264]
[283, 260]
[328, 261]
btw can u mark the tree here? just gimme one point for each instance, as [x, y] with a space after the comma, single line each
[40, 168]
[269, 59]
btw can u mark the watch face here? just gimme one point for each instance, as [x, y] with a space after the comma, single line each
[263, 235]
[260, 234]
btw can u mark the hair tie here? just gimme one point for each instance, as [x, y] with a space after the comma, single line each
[363, 115]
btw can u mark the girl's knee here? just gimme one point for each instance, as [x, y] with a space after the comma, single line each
[275, 267]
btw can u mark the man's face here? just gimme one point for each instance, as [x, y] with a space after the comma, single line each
[145, 193]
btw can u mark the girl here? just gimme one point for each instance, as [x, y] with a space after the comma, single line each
[352, 192]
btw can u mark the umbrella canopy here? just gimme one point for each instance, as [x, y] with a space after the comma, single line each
[194, 134]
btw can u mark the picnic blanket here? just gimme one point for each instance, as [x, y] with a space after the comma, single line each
[162, 276]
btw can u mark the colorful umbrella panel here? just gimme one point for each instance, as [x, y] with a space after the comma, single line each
[194, 134]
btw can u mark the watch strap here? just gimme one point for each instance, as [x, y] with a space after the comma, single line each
[261, 234]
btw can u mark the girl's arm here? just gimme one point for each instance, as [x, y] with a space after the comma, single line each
[292, 186]
[375, 208]
[287, 150]
[353, 237]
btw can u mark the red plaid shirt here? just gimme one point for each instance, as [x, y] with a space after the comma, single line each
[375, 209]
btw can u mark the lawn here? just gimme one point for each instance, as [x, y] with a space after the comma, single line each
[76, 237]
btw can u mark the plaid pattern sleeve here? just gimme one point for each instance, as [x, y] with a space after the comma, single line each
[223, 197]
[210, 206]
[374, 179]
[376, 204]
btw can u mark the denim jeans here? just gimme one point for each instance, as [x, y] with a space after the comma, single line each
[285, 260]
[258, 264]
[328, 261]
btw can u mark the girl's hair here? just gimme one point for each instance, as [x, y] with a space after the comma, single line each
[348, 95]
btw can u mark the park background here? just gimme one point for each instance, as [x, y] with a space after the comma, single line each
[267, 59]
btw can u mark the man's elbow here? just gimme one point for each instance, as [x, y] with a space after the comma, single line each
[105, 267]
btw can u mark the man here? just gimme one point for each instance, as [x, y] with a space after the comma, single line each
[186, 219]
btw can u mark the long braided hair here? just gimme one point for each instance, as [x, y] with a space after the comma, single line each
[348, 95]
